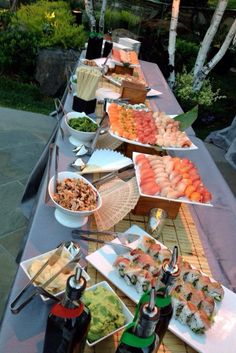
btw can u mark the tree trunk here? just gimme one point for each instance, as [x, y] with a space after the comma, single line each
[172, 41]
[102, 16]
[219, 55]
[90, 12]
[206, 43]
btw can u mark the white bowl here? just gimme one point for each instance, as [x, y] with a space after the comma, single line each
[68, 218]
[79, 136]
[128, 315]
[25, 265]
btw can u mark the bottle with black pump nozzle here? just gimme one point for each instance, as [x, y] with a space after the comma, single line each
[168, 276]
[68, 321]
[139, 336]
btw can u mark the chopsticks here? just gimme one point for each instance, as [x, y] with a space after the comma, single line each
[88, 79]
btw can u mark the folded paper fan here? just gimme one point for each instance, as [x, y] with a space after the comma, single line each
[103, 161]
[118, 199]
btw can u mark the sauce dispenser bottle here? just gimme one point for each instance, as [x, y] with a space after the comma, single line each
[69, 320]
[139, 336]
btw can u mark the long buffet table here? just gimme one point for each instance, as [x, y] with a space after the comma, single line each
[204, 234]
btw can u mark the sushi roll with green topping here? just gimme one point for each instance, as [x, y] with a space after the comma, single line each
[215, 290]
[203, 283]
[121, 264]
[199, 322]
[131, 275]
[187, 312]
[178, 303]
[143, 283]
[208, 306]
[192, 276]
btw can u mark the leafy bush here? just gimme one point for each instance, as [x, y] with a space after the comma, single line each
[5, 18]
[125, 19]
[186, 54]
[188, 98]
[18, 48]
[53, 23]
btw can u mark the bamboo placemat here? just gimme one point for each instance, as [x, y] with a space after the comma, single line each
[181, 232]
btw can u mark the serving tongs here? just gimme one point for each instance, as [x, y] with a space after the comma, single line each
[124, 174]
[124, 238]
[42, 289]
[119, 249]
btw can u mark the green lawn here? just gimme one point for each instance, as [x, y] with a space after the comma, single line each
[231, 3]
[24, 96]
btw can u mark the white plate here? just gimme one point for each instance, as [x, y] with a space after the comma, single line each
[180, 199]
[220, 338]
[133, 142]
[125, 310]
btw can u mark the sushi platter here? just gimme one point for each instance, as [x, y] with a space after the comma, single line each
[171, 179]
[145, 128]
[220, 337]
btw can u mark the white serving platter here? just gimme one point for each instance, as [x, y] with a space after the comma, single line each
[137, 143]
[220, 338]
[180, 199]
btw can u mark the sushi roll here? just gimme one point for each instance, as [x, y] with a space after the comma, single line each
[146, 262]
[185, 289]
[143, 283]
[186, 313]
[197, 297]
[203, 283]
[192, 276]
[199, 322]
[131, 275]
[135, 253]
[164, 254]
[178, 303]
[215, 290]
[147, 242]
[121, 264]
[208, 306]
[154, 250]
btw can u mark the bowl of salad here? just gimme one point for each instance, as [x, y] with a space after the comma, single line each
[80, 126]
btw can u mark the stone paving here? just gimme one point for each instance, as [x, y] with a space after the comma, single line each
[23, 136]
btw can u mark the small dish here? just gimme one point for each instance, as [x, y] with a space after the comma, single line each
[128, 315]
[75, 135]
[25, 265]
[69, 218]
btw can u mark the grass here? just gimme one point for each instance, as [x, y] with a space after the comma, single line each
[231, 3]
[24, 96]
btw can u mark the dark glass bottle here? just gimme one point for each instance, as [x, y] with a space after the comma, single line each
[68, 321]
[94, 48]
[108, 45]
[169, 274]
[140, 335]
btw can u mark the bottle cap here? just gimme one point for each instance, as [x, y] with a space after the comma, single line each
[76, 285]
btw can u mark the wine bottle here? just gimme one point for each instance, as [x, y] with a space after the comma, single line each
[68, 321]
[140, 337]
[108, 45]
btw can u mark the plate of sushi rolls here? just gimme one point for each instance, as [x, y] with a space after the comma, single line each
[204, 310]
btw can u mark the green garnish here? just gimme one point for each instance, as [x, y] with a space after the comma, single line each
[83, 124]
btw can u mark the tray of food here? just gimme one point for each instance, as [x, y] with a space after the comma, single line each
[170, 178]
[124, 57]
[204, 310]
[142, 127]
[118, 78]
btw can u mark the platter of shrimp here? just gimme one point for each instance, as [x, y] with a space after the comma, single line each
[170, 178]
[204, 311]
[142, 127]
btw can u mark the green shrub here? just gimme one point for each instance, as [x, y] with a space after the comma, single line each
[188, 98]
[5, 18]
[53, 23]
[125, 19]
[186, 54]
[18, 49]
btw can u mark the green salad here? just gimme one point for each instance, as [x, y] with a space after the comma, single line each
[83, 124]
[106, 312]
